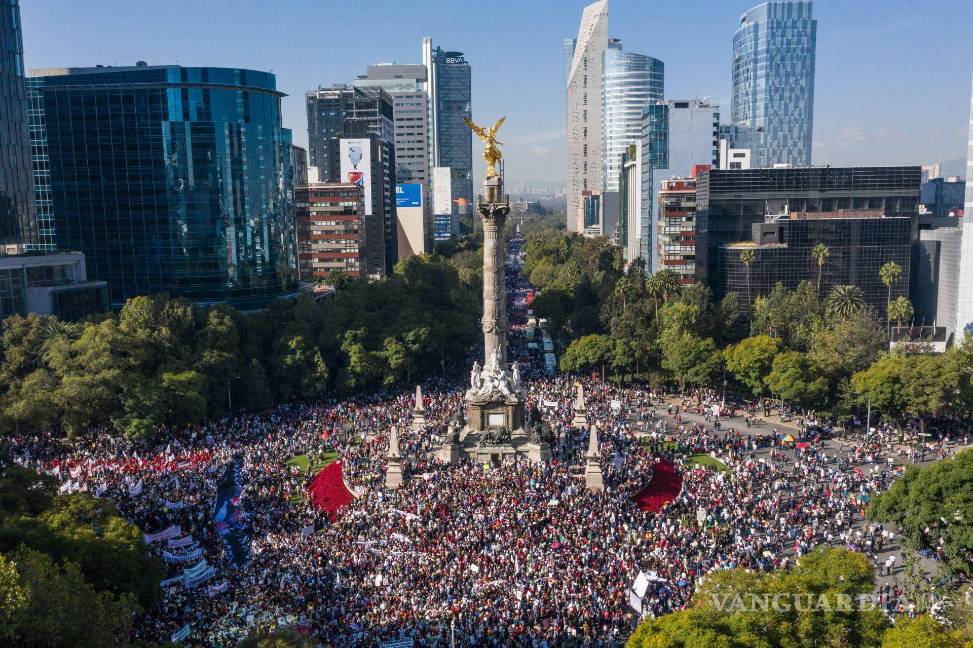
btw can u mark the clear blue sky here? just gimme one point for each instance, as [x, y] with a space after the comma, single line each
[893, 76]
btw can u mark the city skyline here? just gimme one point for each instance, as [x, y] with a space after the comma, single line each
[872, 125]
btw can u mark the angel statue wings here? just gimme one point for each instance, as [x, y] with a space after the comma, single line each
[491, 153]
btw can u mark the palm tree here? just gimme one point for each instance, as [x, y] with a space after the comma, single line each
[653, 288]
[845, 301]
[820, 252]
[668, 284]
[746, 258]
[901, 310]
[622, 288]
[890, 273]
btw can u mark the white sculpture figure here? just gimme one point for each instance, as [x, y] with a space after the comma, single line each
[495, 361]
[475, 376]
[516, 376]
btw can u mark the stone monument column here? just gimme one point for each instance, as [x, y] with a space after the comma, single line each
[493, 212]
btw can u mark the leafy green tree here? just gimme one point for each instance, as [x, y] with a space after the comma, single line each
[62, 609]
[849, 344]
[750, 361]
[185, 396]
[588, 352]
[884, 385]
[933, 504]
[277, 638]
[622, 356]
[108, 550]
[795, 379]
[689, 358]
[727, 609]
[13, 597]
[922, 632]
[791, 315]
[361, 366]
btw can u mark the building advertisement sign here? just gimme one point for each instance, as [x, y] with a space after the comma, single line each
[356, 166]
[408, 195]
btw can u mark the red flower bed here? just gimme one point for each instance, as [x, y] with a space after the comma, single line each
[327, 490]
[664, 487]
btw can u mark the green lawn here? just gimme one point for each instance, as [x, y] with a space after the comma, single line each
[311, 468]
[706, 460]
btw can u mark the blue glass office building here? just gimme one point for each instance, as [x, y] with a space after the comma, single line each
[18, 220]
[169, 179]
[773, 79]
[631, 82]
[449, 84]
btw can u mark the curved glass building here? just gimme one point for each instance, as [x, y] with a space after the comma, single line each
[631, 82]
[169, 179]
[18, 224]
[773, 80]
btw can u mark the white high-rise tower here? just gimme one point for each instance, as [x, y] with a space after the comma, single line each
[584, 96]
[964, 299]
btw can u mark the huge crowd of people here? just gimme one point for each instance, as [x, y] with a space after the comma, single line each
[517, 554]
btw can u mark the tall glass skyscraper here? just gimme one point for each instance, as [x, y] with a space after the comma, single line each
[450, 89]
[631, 82]
[169, 179]
[773, 79]
[583, 86]
[18, 219]
[964, 298]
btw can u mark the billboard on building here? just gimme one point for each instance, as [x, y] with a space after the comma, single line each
[411, 220]
[442, 190]
[356, 166]
[408, 195]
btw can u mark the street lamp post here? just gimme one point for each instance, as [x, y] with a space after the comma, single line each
[868, 422]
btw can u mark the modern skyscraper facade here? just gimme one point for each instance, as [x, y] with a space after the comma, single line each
[168, 178]
[773, 80]
[450, 89]
[18, 218]
[860, 242]
[681, 134]
[935, 271]
[964, 298]
[630, 201]
[729, 204]
[342, 113]
[410, 111]
[631, 81]
[585, 163]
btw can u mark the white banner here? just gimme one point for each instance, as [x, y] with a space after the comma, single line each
[202, 578]
[634, 601]
[181, 558]
[172, 532]
[213, 590]
[184, 541]
[180, 634]
[641, 584]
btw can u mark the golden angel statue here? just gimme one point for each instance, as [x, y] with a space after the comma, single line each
[491, 153]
